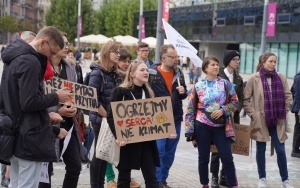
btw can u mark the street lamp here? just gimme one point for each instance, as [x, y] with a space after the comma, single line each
[140, 20]
[79, 25]
[264, 28]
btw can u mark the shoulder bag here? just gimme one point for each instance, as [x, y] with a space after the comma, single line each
[107, 149]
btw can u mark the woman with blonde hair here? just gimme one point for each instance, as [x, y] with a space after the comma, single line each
[141, 155]
[267, 99]
[103, 77]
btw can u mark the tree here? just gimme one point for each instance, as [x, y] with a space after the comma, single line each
[64, 15]
[9, 24]
[116, 17]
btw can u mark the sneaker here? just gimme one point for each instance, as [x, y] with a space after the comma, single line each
[214, 182]
[134, 184]
[85, 160]
[295, 154]
[286, 184]
[5, 181]
[262, 183]
[164, 185]
[111, 184]
[223, 182]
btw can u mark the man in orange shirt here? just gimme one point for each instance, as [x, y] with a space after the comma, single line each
[166, 79]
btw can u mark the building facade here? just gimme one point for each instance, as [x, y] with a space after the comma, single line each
[237, 25]
[30, 13]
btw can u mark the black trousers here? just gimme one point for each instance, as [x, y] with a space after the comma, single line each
[72, 160]
[98, 166]
[215, 159]
[147, 168]
[296, 138]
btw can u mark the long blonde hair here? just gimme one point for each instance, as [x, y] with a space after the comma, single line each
[104, 60]
[128, 81]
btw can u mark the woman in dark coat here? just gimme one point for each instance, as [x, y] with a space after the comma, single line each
[104, 78]
[141, 155]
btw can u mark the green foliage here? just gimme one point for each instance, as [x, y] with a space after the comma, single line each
[9, 24]
[63, 14]
[117, 17]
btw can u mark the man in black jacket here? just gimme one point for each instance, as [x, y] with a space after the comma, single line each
[24, 100]
[166, 79]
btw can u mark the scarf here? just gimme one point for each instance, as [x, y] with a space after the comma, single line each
[49, 73]
[275, 104]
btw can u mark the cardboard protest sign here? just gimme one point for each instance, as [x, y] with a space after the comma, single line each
[242, 142]
[144, 119]
[84, 97]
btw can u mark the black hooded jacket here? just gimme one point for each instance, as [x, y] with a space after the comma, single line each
[23, 98]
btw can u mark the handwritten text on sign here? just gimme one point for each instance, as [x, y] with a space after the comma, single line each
[144, 119]
[84, 97]
[241, 144]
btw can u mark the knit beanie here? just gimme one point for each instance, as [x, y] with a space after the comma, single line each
[229, 55]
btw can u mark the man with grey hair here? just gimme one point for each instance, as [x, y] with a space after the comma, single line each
[166, 79]
[27, 36]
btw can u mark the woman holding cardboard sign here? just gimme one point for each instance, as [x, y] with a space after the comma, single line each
[267, 99]
[208, 120]
[141, 155]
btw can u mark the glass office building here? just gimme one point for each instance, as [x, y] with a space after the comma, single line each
[212, 28]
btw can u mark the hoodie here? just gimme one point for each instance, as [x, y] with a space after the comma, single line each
[24, 100]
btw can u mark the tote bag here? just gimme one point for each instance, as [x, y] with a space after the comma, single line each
[107, 149]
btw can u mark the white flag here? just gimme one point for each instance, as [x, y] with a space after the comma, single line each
[182, 46]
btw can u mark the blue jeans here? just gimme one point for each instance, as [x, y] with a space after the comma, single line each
[166, 149]
[281, 157]
[89, 136]
[205, 135]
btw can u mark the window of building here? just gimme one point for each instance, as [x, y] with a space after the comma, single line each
[283, 18]
[221, 22]
[249, 20]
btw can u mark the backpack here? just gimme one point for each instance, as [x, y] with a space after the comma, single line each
[86, 82]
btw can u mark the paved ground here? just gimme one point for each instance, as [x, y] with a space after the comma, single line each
[184, 173]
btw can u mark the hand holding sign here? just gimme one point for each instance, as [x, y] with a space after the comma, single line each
[173, 136]
[180, 89]
[121, 143]
[64, 94]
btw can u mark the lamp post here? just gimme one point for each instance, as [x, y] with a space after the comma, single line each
[264, 28]
[79, 25]
[159, 31]
[140, 20]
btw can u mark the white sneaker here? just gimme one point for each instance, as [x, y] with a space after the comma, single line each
[286, 184]
[262, 183]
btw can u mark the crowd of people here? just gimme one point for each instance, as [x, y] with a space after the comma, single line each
[214, 106]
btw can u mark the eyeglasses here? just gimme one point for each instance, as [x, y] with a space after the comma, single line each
[236, 60]
[115, 52]
[52, 52]
[173, 57]
[67, 44]
[144, 50]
